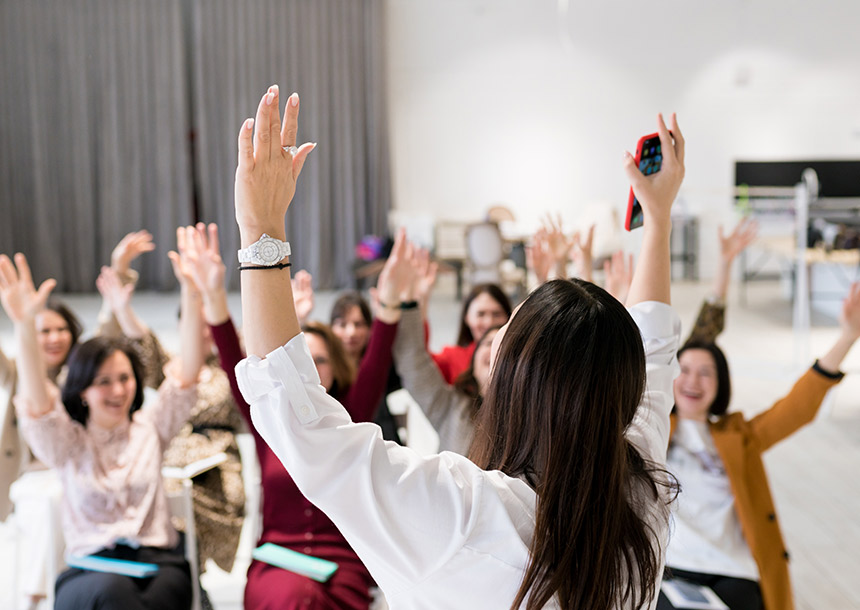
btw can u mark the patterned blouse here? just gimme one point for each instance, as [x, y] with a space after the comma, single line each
[112, 485]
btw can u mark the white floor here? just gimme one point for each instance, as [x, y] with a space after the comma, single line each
[813, 475]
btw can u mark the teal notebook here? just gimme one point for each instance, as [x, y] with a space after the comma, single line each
[135, 569]
[312, 567]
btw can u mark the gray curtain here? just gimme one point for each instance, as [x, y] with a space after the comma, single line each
[117, 115]
[332, 53]
[93, 134]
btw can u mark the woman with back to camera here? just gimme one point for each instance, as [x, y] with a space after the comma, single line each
[106, 449]
[566, 503]
[290, 520]
[726, 534]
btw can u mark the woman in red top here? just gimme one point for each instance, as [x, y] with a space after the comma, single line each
[290, 520]
[486, 306]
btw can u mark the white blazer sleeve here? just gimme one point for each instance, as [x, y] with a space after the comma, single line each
[403, 514]
[661, 334]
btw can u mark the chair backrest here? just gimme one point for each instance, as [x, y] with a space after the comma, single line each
[484, 245]
[181, 505]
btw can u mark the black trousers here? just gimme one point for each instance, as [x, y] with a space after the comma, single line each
[736, 593]
[169, 589]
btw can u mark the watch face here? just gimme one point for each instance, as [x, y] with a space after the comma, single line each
[268, 250]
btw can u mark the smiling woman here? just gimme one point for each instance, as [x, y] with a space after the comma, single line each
[106, 450]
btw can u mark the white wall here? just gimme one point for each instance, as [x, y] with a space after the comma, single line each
[517, 101]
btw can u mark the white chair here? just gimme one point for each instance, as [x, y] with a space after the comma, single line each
[182, 506]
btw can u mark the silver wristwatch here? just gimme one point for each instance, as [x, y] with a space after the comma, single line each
[266, 251]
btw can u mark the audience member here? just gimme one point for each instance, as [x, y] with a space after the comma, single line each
[106, 449]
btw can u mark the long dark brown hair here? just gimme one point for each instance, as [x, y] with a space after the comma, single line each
[464, 336]
[566, 383]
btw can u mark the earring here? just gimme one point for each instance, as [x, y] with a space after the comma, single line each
[84, 402]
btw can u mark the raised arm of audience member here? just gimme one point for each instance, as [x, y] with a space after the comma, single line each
[303, 295]
[618, 270]
[127, 250]
[449, 409]
[191, 318]
[538, 257]
[560, 246]
[581, 253]
[426, 271]
[22, 302]
[712, 315]
[117, 298]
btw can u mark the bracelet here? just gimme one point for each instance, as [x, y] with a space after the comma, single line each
[278, 266]
[401, 305]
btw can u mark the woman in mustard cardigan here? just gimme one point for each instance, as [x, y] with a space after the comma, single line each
[726, 535]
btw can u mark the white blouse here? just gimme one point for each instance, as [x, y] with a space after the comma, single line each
[706, 532]
[112, 485]
[434, 532]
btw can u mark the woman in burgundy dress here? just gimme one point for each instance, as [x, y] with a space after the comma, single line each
[290, 520]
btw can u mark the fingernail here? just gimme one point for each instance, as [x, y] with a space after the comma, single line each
[249, 123]
[274, 89]
[270, 97]
[294, 99]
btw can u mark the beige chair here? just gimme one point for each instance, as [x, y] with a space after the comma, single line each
[487, 260]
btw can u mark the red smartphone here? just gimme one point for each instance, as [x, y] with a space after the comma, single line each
[649, 158]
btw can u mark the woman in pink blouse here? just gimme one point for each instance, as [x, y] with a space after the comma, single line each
[106, 449]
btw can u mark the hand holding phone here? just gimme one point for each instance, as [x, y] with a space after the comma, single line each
[649, 159]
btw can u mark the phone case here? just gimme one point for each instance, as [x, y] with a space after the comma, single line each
[633, 220]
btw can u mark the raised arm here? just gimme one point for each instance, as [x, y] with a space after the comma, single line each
[268, 167]
[131, 246]
[303, 295]
[116, 296]
[799, 407]
[22, 302]
[652, 277]
[190, 319]
[202, 257]
[731, 245]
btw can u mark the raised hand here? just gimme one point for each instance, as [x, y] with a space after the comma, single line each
[657, 192]
[581, 252]
[652, 278]
[18, 294]
[181, 258]
[129, 248]
[538, 257]
[619, 273]
[425, 271]
[850, 318]
[558, 243]
[737, 241]
[268, 167]
[303, 295]
[849, 321]
[116, 295]
[203, 258]
[397, 280]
